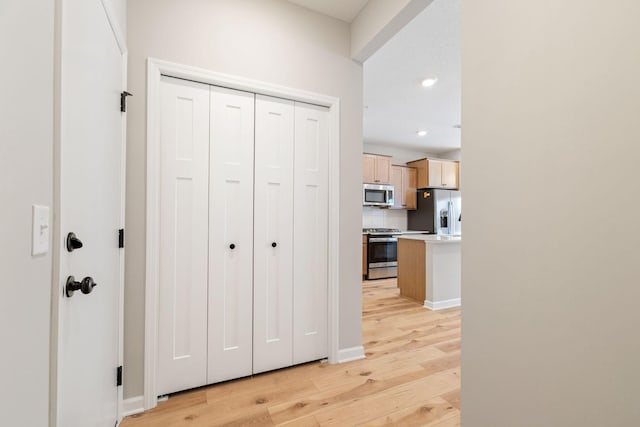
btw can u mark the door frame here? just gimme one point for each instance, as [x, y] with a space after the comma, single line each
[157, 68]
[57, 238]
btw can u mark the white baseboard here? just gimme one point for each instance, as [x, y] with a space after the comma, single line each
[441, 305]
[350, 354]
[132, 406]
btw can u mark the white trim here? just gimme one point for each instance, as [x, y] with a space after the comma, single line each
[152, 244]
[333, 315]
[441, 305]
[56, 288]
[155, 69]
[132, 406]
[350, 354]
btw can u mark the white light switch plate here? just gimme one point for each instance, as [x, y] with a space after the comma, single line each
[40, 243]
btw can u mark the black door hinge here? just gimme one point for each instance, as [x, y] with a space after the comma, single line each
[119, 376]
[123, 101]
[121, 238]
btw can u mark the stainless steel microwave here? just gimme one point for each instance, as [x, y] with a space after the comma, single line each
[377, 195]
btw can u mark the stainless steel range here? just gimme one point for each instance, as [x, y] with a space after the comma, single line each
[382, 252]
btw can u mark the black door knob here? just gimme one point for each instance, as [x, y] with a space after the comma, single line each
[86, 286]
[232, 246]
[73, 242]
[274, 244]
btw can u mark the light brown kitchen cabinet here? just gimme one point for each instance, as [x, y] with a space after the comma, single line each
[437, 173]
[376, 169]
[450, 174]
[434, 173]
[409, 187]
[412, 277]
[404, 181]
[396, 181]
[364, 255]
[368, 168]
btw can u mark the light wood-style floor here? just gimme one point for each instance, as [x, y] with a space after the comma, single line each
[410, 377]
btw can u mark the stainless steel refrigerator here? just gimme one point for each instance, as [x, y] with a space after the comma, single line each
[439, 212]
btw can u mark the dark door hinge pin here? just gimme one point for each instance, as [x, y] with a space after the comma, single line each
[119, 376]
[123, 101]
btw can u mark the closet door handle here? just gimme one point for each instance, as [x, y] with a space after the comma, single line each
[232, 246]
[274, 244]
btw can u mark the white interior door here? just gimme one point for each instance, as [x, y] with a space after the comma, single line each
[311, 226]
[273, 235]
[89, 206]
[184, 235]
[230, 234]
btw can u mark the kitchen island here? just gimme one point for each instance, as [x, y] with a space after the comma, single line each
[429, 269]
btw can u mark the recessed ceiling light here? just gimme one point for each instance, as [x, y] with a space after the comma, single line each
[422, 133]
[429, 81]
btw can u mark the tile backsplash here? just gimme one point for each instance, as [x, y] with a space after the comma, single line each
[384, 218]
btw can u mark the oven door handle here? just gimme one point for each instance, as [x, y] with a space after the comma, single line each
[383, 239]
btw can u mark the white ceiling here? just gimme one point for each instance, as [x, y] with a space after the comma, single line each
[345, 10]
[396, 105]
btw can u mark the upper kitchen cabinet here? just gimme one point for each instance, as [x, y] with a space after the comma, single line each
[437, 173]
[376, 169]
[404, 181]
[450, 174]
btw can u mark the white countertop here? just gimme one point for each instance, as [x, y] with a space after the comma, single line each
[433, 238]
[405, 232]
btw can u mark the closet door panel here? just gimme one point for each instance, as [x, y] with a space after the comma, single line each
[273, 235]
[230, 234]
[310, 262]
[182, 321]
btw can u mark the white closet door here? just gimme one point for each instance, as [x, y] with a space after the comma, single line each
[273, 235]
[310, 225]
[231, 234]
[182, 322]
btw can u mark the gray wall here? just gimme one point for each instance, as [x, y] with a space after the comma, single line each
[400, 155]
[26, 172]
[451, 155]
[551, 144]
[268, 40]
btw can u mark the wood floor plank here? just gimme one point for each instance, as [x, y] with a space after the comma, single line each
[449, 361]
[406, 348]
[440, 332]
[207, 417]
[425, 414]
[339, 396]
[262, 396]
[453, 397]
[449, 422]
[449, 346]
[384, 369]
[309, 421]
[409, 377]
[370, 407]
[421, 323]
